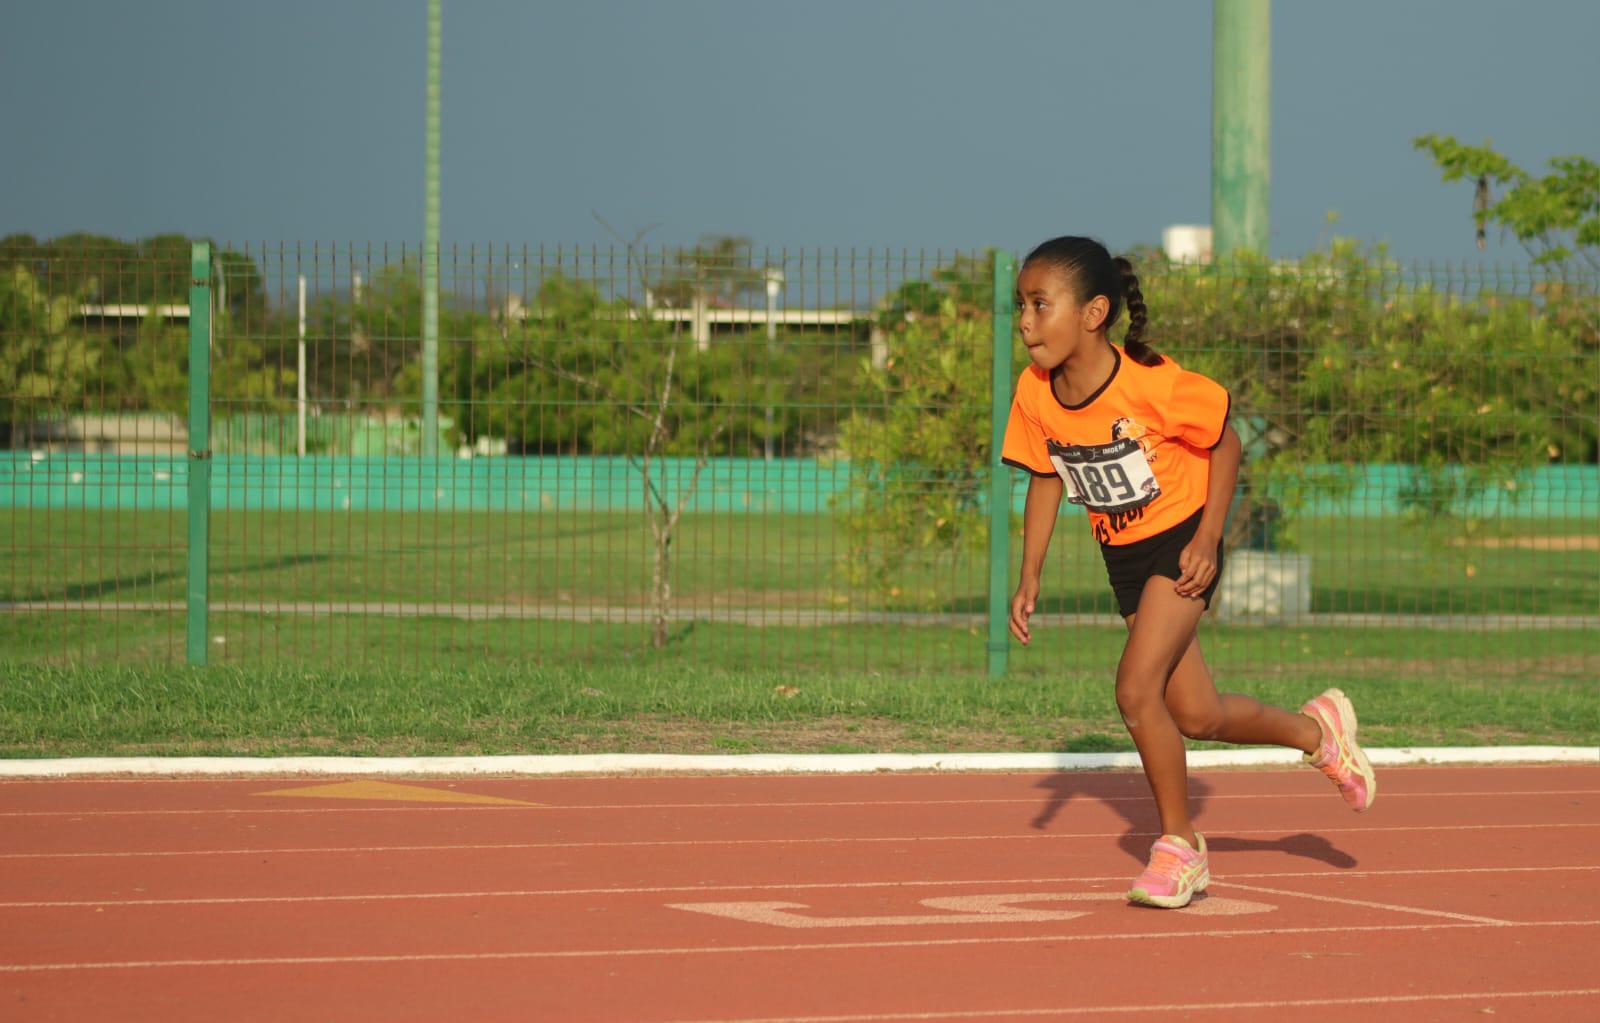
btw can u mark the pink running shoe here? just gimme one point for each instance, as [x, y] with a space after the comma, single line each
[1340, 756]
[1175, 873]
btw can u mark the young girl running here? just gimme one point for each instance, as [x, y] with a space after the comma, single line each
[1147, 449]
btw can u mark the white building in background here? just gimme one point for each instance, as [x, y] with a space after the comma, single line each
[1187, 243]
[703, 315]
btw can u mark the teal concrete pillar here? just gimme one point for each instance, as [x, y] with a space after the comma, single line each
[1241, 130]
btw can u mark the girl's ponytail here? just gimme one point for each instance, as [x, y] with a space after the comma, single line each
[1138, 316]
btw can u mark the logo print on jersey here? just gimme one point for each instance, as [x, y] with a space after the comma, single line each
[1129, 428]
[1112, 479]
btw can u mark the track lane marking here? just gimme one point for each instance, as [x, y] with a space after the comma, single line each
[747, 777]
[841, 840]
[755, 887]
[1082, 1010]
[959, 909]
[1361, 903]
[1320, 794]
[695, 950]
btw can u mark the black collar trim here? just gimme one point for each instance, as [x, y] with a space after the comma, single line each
[1098, 391]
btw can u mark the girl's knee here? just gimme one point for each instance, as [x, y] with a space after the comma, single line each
[1198, 724]
[1139, 679]
[1136, 697]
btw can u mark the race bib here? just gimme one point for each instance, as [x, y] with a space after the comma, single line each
[1105, 478]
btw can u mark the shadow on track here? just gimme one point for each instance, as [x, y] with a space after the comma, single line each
[1129, 796]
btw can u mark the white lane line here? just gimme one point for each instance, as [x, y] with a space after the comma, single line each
[1320, 793]
[1084, 1010]
[556, 892]
[833, 764]
[840, 840]
[605, 777]
[1361, 903]
[791, 887]
[695, 950]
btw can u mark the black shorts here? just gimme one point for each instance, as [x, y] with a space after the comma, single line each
[1130, 565]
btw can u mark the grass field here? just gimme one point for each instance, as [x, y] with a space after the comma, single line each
[109, 711]
[110, 682]
[1378, 566]
[430, 686]
[48, 711]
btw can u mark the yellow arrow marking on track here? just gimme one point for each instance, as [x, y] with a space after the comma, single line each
[387, 790]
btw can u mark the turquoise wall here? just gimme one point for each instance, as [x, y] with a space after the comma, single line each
[135, 482]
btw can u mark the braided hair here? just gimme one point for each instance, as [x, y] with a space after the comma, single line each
[1090, 270]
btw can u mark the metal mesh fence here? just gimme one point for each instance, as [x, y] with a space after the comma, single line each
[759, 458]
[92, 385]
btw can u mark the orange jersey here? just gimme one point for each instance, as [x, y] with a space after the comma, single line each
[1136, 454]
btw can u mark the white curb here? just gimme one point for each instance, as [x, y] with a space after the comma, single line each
[755, 763]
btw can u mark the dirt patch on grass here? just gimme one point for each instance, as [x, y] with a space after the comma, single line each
[824, 735]
[661, 734]
[1532, 543]
[1463, 669]
[643, 734]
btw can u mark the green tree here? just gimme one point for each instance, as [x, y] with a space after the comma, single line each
[154, 369]
[364, 351]
[1556, 217]
[1335, 363]
[719, 269]
[604, 377]
[1343, 361]
[918, 446]
[110, 271]
[139, 363]
[45, 358]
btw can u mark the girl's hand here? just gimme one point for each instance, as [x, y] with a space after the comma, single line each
[1198, 565]
[1022, 607]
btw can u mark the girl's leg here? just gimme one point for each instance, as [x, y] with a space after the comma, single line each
[1201, 713]
[1158, 635]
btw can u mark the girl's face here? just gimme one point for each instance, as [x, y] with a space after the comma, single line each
[1054, 325]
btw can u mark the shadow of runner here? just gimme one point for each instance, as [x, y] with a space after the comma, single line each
[1129, 795]
[1306, 845]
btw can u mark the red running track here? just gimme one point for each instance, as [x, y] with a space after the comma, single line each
[961, 897]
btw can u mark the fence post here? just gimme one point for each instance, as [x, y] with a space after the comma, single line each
[1005, 271]
[199, 504]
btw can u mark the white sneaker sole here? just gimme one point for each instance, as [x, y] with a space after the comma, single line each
[1141, 897]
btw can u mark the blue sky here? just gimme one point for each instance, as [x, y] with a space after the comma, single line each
[867, 123]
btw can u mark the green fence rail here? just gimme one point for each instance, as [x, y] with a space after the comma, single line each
[744, 458]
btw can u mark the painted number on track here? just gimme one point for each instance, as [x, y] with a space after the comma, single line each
[1009, 908]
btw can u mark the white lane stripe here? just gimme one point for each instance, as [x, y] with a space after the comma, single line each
[795, 887]
[759, 763]
[1083, 1010]
[839, 840]
[622, 953]
[431, 771]
[1361, 903]
[1320, 793]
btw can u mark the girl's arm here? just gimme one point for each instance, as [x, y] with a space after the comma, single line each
[1198, 562]
[1038, 522]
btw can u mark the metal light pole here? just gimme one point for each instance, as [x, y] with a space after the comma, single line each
[1241, 130]
[430, 247]
[300, 375]
[774, 285]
